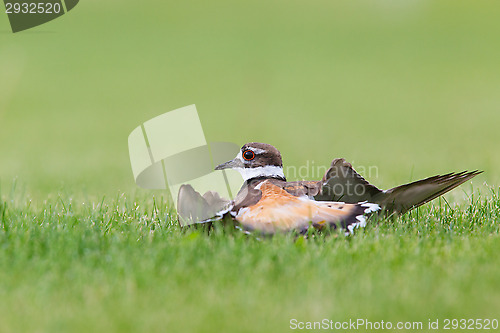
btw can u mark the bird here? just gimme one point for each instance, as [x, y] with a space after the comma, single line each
[268, 203]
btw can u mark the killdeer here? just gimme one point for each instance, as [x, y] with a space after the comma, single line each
[267, 202]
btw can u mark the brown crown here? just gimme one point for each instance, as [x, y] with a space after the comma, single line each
[270, 156]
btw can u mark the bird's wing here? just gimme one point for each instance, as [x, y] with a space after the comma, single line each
[278, 210]
[303, 188]
[405, 197]
[342, 183]
[192, 207]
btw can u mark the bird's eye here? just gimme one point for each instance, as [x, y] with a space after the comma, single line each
[248, 155]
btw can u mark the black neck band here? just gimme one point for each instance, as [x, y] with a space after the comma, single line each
[255, 179]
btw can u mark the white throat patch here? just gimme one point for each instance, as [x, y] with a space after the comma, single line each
[266, 171]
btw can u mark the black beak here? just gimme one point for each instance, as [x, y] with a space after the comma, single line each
[235, 163]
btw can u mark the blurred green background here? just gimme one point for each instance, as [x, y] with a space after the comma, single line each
[412, 87]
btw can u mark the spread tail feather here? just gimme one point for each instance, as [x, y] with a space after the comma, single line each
[405, 197]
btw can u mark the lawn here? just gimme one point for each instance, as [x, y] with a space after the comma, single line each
[123, 265]
[403, 89]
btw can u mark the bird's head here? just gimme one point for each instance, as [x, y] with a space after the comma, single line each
[256, 160]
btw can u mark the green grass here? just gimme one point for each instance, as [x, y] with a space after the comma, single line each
[408, 87]
[123, 265]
